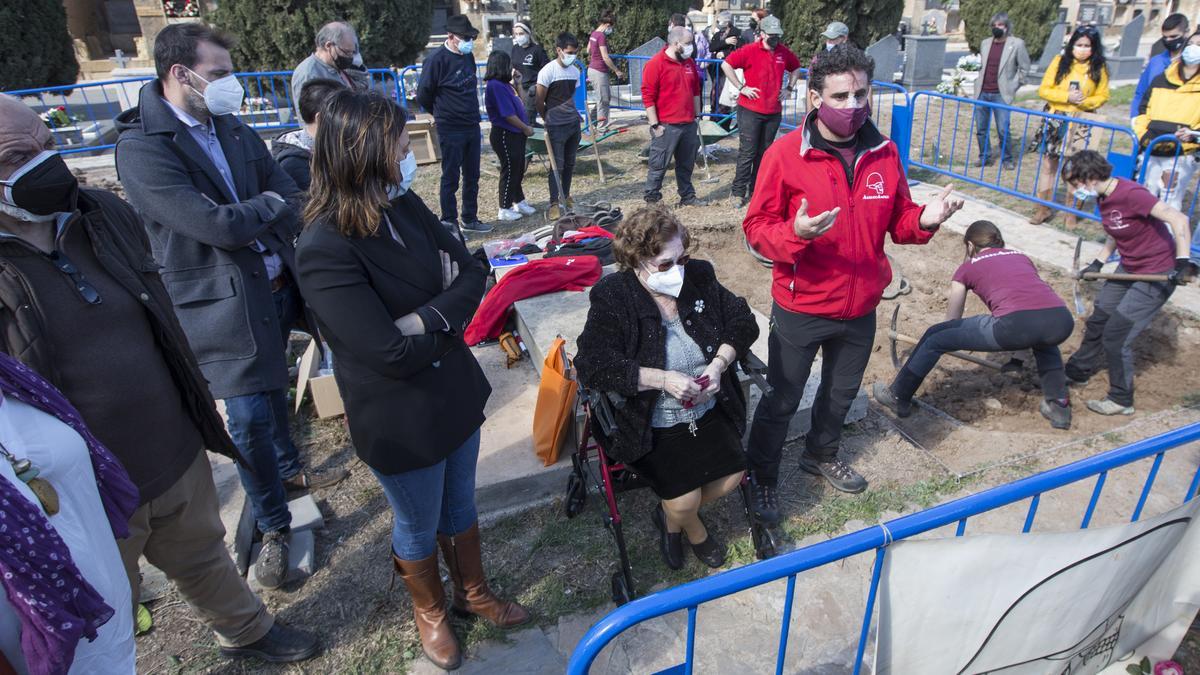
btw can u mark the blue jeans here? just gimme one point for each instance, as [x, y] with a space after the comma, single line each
[258, 425]
[985, 115]
[460, 156]
[432, 500]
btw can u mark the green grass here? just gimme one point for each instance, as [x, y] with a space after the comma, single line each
[1121, 96]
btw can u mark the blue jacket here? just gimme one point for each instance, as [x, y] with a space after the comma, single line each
[449, 89]
[1154, 67]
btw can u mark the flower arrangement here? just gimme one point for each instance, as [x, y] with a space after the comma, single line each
[255, 104]
[181, 8]
[57, 117]
[970, 63]
[965, 71]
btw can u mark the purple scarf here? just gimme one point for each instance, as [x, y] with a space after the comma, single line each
[55, 604]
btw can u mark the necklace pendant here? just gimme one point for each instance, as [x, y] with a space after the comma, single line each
[693, 428]
[20, 466]
[46, 494]
[29, 473]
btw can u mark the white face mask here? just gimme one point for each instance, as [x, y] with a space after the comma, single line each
[567, 59]
[222, 96]
[1083, 193]
[521, 40]
[1191, 55]
[408, 173]
[829, 46]
[667, 283]
[686, 51]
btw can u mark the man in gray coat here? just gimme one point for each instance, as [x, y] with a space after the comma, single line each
[216, 209]
[336, 57]
[1004, 65]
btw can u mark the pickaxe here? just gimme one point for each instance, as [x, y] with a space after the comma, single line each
[1080, 308]
[894, 336]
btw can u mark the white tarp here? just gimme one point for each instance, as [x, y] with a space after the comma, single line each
[1039, 603]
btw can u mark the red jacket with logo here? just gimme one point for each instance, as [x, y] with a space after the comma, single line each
[842, 273]
[671, 87]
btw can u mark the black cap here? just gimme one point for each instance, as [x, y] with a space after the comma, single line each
[461, 26]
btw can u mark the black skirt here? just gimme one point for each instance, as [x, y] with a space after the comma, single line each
[681, 462]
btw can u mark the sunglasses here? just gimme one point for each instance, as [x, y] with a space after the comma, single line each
[666, 265]
[85, 290]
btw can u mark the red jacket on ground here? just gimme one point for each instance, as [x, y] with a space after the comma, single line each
[671, 86]
[842, 273]
[536, 277]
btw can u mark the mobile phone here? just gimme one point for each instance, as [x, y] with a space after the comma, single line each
[1074, 84]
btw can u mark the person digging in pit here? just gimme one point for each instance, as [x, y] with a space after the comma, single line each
[1024, 313]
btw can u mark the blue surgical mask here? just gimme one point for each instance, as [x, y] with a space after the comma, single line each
[568, 59]
[1084, 193]
[408, 173]
[466, 46]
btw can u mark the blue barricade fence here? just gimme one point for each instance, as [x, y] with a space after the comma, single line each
[877, 538]
[946, 139]
[80, 116]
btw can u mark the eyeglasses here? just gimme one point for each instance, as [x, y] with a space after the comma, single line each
[86, 290]
[666, 265]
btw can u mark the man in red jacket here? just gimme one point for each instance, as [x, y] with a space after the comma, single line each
[827, 195]
[671, 94]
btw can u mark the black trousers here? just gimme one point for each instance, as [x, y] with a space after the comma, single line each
[509, 147]
[680, 142]
[792, 346]
[756, 132]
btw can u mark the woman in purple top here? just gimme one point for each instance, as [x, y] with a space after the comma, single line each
[1152, 238]
[1025, 314]
[510, 128]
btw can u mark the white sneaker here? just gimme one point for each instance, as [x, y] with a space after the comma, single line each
[509, 215]
[524, 207]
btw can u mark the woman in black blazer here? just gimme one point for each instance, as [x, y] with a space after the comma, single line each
[393, 291]
[663, 332]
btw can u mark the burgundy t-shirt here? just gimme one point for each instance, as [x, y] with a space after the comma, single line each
[1144, 242]
[991, 68]
[595, 60]
[1007, 282]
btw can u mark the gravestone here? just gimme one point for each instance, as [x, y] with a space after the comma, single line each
[654, 46]
[924, 58]
[886, 52]
[1126, 64]
[1054, 47]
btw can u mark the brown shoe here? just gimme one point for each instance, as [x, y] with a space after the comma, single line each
[314, 480]
[1041, 215]
[471, 592]
[429, 610]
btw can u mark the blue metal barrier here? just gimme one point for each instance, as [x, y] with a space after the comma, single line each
[877, 538]
[409, 77]
[80, 116]
[944, 140]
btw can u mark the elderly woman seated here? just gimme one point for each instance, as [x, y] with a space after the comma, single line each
[664, 333]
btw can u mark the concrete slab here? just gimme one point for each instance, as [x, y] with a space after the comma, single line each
[306, 515]
[301, 559]
[1044, 244]
[527, 652]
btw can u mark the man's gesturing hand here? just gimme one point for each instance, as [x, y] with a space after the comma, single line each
[940, 209]
[811, 227]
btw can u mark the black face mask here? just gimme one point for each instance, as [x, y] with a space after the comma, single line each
[1174, 44]
[997, 32]
[343, 62]
[43, 186]
[772, 42]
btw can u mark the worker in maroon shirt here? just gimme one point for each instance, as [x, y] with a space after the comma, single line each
[671, 94]
[1152, 237]
[1005, 64]
[767, 66]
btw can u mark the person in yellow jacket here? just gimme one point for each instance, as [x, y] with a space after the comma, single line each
[1171, 107]
[1076, 82]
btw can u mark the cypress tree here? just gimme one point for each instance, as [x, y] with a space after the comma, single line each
[37, 51]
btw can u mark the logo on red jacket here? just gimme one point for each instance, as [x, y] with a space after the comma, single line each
[875, 187]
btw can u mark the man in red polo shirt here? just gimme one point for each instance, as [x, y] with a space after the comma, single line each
[671, 94]
[764, 64]
[831, 192]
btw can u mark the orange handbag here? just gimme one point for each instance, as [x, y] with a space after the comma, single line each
[555, 403]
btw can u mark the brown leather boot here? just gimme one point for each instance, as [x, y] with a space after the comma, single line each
[429, 609]
[471, 592]
[1041, 215]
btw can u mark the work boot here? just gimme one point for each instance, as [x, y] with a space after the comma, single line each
[1041, 215]
[884, 397]
[1058, 412]
[429, 610]
[765, 500]
[1109, 407]
[471, 593]
[838, 473]
[272, 566]
[281, 644]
